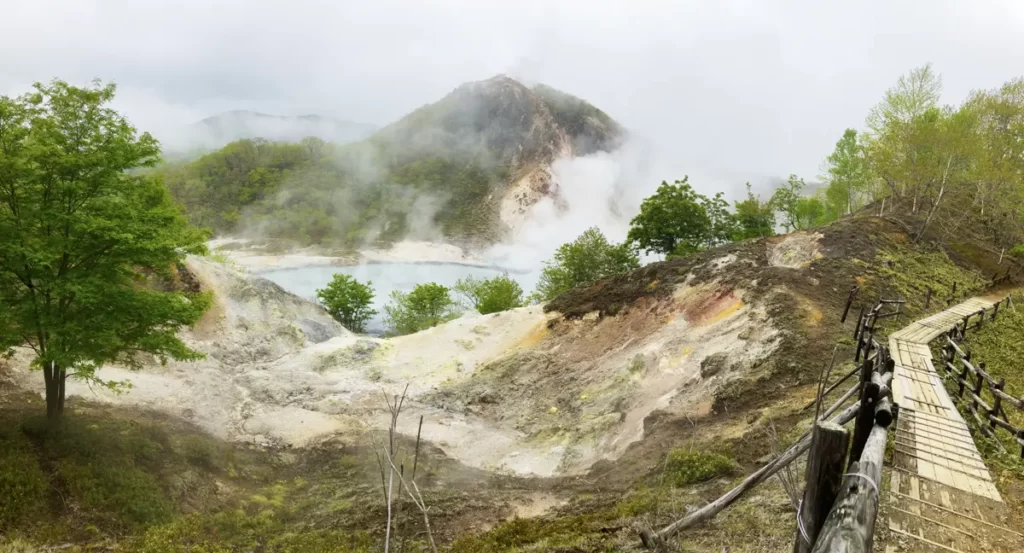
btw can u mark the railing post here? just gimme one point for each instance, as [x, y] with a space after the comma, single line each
[981, 319]
[978, 385]
[824, 477]
[866, 416]
[995, 310]
[997, 403]
[963, 374]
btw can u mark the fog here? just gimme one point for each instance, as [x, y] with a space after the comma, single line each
[725, 92]
[730, 90]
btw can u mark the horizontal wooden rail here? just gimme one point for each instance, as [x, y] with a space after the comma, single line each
[973, 381]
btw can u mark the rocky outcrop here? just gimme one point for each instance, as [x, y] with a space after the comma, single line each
[513, 130]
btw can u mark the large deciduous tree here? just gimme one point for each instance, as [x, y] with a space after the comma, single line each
[672, 221]
[848, 178]
[85, 243]
[583, 261]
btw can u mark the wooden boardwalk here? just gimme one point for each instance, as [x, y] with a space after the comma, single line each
[941, 496]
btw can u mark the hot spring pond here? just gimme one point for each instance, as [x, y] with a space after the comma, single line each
[385, 278]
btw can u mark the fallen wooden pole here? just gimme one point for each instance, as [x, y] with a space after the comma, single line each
[824, 476]
[657, 539]
[830, 389]
[849, 302]
[850, 527]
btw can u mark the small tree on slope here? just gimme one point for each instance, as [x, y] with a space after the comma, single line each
[348, 301]
[78, 234]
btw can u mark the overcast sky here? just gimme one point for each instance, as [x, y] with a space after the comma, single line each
[727, 91]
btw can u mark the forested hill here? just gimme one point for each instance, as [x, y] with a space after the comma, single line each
[463, 167]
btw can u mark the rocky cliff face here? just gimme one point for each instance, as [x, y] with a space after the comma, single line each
[506, 127]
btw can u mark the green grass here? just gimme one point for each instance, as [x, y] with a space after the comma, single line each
[908, 273]
[24, 488]
[1000, 347]
[539, 534]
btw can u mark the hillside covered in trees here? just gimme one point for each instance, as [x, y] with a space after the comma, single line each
[452, 167]
[955, 169]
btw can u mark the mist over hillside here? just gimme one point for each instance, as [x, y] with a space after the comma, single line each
[219, 130]
[468, 169]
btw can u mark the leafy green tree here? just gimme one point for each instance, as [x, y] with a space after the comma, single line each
[348, 301]
[722, 225]
[427, 305]
[492, 295]
[83, 239]
[786, 201]
[847, 175]
[798, 211]
[754, 218]
[585, 260]
[673, 221]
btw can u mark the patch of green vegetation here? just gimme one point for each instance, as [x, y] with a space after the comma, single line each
[538, 534]
[999, 346]
[240, 530]
[23, 486]
[198, 450]
[640, 501]
[116, 494]
[219, 257]
[107, 468]
[908, 273]
[319, 193]
[637, 364]
[685, 467]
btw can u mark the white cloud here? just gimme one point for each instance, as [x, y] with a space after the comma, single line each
[731, 91]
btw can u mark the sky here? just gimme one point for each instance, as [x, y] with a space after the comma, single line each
[724, 91]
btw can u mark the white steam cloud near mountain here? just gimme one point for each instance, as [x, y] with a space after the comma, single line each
[601, 190]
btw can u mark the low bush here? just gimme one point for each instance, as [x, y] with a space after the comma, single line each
[426, 306]
[491, 295]
[685, 467]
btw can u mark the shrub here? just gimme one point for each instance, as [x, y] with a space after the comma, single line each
[688, 467]
[348, 301]
[492, 295]
[426, 306]
[587, 259]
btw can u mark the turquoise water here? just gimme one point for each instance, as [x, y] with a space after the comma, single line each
[385, 278]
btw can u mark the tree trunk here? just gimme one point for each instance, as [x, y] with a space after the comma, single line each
[51, 391]
[54, 378]
[62, 378]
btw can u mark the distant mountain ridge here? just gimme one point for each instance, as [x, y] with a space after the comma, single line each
[217, 131]
[466, 168]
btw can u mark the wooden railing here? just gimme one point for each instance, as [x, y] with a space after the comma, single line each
[839, 506]
[977, 391]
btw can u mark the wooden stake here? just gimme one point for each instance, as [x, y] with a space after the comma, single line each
[850, 525]
[824, 476]
[849, 301]
[866, 417]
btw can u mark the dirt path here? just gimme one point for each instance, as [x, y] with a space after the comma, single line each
[940, 496]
